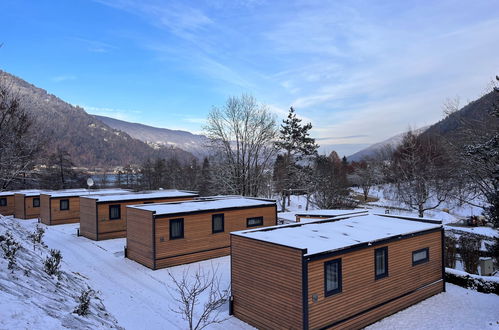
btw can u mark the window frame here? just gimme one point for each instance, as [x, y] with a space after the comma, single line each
[181, 220]
[422, 261]
[3, 201]
[213, 231]
[339, 289]
[36, 199]
[119, 211]
[60, 204]
[248, 220]
[385, 253]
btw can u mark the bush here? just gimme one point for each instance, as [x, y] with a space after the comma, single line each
[53, 263]
[37, 236]
[470, 253]
[10, 247]
[83, 307]
[469, 282]
[450, 251]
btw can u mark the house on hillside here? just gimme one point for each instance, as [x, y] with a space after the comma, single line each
[342, 273]
[169, 234]
[104, 216]
[63, 206]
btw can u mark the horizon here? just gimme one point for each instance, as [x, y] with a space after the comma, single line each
[359, 72]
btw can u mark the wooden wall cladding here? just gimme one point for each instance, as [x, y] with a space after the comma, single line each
[10, 208]
[266, 284]
[360, 290]
[19, 206]
[59, 217]
[45, 209]
[88, 214]
[139, 239]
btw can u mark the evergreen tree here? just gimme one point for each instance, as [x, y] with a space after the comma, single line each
[205, 181]
[295, 144]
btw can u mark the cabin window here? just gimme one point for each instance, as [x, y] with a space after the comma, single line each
[420, 256]
[381, 262]
[253, 222]
[332, 277]
[217, 223]
[114, 212]
[176, 228]
[3, 201]
[36, 202]
[64, 204]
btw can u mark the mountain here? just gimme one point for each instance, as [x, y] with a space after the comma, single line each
[89, 142]
[376, 148]
[154, 136]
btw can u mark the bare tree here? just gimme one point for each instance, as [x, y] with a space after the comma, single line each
[18, 146]
[241, 135]
[366, 174]
[421, 172]
[192, 290]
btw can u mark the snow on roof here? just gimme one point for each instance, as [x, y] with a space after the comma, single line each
[322, 236]
[124, 196]
[27, 192]
[82, 192]
[202, 205]
[329, 213]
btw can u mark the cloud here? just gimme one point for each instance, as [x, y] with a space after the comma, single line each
[95, 46]
[121, 114]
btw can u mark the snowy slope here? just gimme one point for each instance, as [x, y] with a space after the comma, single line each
[32, 299]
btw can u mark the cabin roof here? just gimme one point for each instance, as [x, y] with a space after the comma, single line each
[203, 205]
[338, 233]
[82, 192]
[124, 196]
[27, 192]
[329, 213]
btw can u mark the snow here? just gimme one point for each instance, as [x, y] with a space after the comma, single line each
[83, 192]
[480, 277]
[30, 298]
[27, 192]
[482, 231]
[458, 308]
[202, 205]
[319, 236]
[123, 196]
[329, 213]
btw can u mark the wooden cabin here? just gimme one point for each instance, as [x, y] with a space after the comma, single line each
[338, 273]
[104, 216]
[7, 200]
[63, 206]
[325, 214]
[170, 234]
[27, 204]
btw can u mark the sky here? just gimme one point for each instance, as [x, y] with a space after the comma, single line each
[359, 71]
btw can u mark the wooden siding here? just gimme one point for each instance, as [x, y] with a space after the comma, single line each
[139, 240]
[88, 214]
[266, 284]
[117, 228]
[31, 212]
[199, 243]
[45, 209]
[10, 208]
[360, 290]
[19, 206]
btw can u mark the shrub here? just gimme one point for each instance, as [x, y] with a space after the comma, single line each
[37, 236]
[83, 300]
[53, 263]
[450, 251]
[10, 247]
[470, 253]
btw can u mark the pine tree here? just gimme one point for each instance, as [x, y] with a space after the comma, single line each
[295, 144]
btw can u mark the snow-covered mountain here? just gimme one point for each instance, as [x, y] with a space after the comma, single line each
[154, 136]
[373, 149]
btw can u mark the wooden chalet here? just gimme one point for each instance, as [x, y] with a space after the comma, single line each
[325, 214]
[63, 206]
[104, 216]
[7, 200]
[339, 273]
[170, 234]
[27, 204]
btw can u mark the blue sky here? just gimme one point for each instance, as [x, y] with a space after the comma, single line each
[360, 71]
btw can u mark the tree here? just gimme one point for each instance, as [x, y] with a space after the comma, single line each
[205, 180]
[190, 290]
[330, 183]
[61, 172]
[18, 144]
[365, 174]
[295, 143]
[421, 171]
[241, 134]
